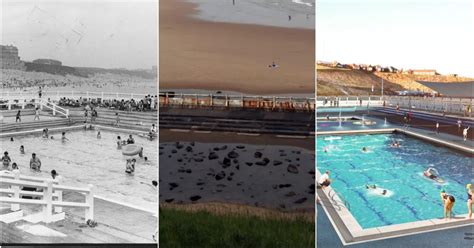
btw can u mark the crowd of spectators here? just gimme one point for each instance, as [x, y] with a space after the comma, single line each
[148, 103]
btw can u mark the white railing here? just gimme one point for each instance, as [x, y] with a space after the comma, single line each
[350, 101]
[55, 108]
[49, 196]
[56, 95]
[37, 102]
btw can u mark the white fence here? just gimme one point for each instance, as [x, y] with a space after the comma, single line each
[56, 95]
[41, 103]
[49, 195]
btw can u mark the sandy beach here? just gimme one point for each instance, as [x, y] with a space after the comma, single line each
[198, 54]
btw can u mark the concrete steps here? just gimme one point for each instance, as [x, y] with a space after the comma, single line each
[14, 127]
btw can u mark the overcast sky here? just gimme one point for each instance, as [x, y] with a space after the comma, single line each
[104, 33]
[417, 34]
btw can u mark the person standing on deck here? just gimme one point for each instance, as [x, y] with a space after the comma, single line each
[37, 114]
[18, 116]
[464, 133]
[469, 199]
[117, 120]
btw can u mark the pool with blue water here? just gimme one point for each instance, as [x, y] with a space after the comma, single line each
[410, 196]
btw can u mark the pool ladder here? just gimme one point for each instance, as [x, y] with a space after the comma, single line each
[336, 203]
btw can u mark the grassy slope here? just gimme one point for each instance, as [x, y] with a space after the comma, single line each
[180, 228]
[335, 81]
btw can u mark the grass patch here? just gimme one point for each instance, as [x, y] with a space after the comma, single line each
[180, 228]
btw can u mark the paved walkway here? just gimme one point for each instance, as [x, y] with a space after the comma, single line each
[455, 238]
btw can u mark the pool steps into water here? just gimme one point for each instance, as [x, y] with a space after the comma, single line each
[76, 117]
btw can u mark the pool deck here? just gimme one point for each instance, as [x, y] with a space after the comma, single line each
[117, 223]
[327, 237]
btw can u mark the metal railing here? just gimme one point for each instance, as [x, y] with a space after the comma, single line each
[237, 101]
[49, 196]
[341, 198]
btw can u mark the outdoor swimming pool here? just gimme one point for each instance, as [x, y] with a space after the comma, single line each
[411, 197]
[85, 159]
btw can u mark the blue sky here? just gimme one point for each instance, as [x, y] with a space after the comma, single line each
[418, 34]
[104, 33]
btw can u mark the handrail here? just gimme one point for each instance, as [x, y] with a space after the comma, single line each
[55, 108]
[51, 196]
[343, 199]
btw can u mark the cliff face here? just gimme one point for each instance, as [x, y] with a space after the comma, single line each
[339, 81]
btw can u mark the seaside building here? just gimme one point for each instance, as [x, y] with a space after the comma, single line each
[47, 62]
[9, 58]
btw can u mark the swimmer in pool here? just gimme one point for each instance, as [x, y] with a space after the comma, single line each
[63, 137]
[130, 140]
[119, 142]
[432, 174]
[370, 186]
[395, 144]
[35, 163]
[6, 160]
[130, 167]
[325, 149]
[11, 139]
[45, 133]
[364, 149]
[22, 149]
[374, 186]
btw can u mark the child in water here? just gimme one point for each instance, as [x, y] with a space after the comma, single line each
[130, 167]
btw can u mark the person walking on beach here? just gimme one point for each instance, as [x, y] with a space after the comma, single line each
[18, 116]
[37, 114]
[437, 127]
[464, 133]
